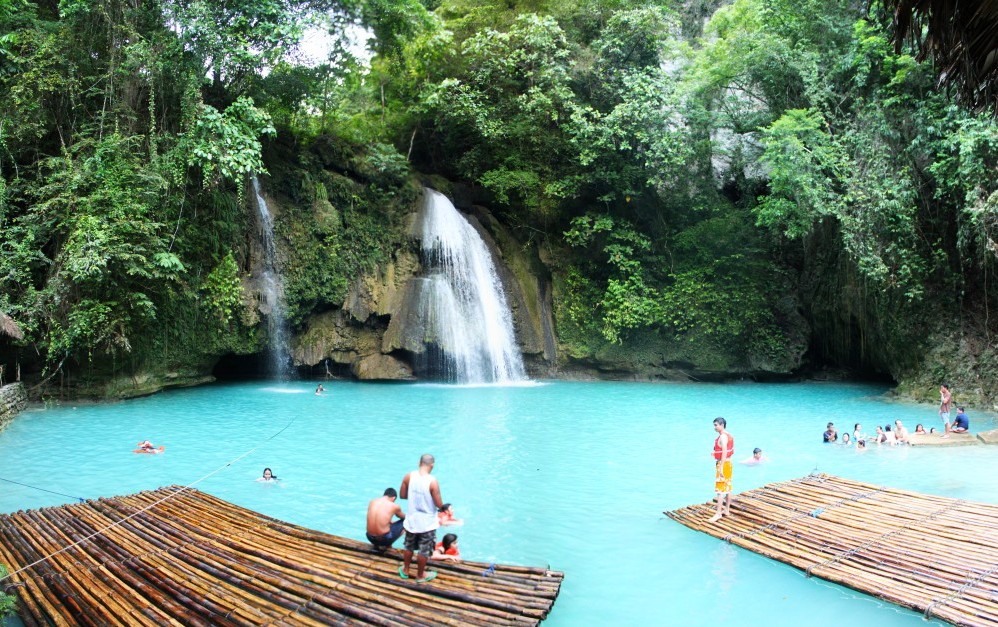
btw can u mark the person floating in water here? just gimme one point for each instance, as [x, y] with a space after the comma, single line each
[724, 450]
[320, 390]
[381, 531]
[145, 446]
[757, 458]
[268, 475]
[446, 516]
[447, 549]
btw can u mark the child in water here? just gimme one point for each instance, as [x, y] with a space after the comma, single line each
[447, 549]
[445, 516]
[267, 475]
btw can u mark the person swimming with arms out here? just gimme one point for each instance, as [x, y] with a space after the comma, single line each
[145, 446]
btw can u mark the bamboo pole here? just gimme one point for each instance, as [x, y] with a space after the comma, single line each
[181, 553]
[130, 602]
[929, 553]
[74, 563]
[127, 562]
[31, 593]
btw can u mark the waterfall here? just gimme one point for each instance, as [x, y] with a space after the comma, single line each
[463, 310]
[272, 291]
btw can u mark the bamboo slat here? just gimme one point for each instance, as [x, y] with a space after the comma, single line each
[929, 553]
[178, 556]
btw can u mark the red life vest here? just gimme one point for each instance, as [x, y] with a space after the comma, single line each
[731, 447]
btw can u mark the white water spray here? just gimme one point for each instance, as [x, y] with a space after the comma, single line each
[462, 305]
[272, 291]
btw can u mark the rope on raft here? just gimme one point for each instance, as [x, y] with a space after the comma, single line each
[896, 532]
[148, 507]
[811, 514]
[959, 591]
[34, 487]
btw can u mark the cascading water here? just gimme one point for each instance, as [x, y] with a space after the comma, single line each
[271, 291]
[462, 307]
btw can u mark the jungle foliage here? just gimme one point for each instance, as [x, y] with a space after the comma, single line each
[8, 602]
[697, 177]
[690, 180]
[127, 136]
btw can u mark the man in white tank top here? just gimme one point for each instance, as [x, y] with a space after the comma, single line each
[422, 491]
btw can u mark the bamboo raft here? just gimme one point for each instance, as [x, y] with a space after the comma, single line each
[177, 556]
[932, 554]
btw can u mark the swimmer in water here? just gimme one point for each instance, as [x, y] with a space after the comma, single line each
[757, 457]
[267, 475]
[445, 515]
[145, 446]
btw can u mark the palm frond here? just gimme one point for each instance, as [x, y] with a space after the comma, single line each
[960, 37]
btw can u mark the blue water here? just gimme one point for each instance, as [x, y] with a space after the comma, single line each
[568, 475]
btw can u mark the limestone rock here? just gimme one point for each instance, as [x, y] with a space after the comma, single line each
[526, 283]
[381, 293]
[13, 399]
[937, 439]
[381, 368]
[988, 437]
[405, 330]
[330, 335]
[146, 382]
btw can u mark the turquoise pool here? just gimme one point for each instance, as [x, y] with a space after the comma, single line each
[567, 474]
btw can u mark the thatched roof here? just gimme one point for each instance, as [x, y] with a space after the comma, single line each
[961, 38]
[178, 556]
[9, 327]
[932, 554]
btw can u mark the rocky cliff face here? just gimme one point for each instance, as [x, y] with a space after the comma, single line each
[13, 400]
[368, 334]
